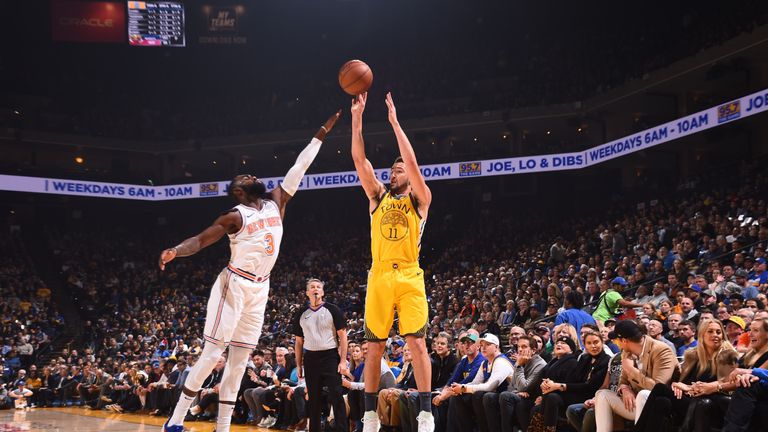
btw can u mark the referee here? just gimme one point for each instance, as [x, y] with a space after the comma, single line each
[321, 345]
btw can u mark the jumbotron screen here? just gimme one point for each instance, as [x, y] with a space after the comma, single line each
[158, 23]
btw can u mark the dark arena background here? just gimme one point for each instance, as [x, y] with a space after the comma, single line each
[593, 165]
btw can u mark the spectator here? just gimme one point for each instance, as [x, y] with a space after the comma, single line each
[443, 364]
[464, 373]
[500, 407]
[389, 407]
[688, 311]
[611, 300]
[259, 378]
[658, 295]
[700, 376]
[645, 363]
[20, 395]
[557, 370]
[687, 334]
[515, 333]
[507, 317]
[164, 392]
[734, 328]
[582, 416]
[495, 374]
[673, 324]
[573, 314]
[582, 383]
[655, 331]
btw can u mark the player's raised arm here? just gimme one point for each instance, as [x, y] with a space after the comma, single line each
[292, 179]
[372, 186]
[418, 184]
[229, 222]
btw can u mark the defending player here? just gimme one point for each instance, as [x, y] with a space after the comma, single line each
[236, 306]
[395, 281]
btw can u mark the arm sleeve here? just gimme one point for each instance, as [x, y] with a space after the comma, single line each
[339, 321]
[456, 372]
[501, 371]
[560, 319]
[665, 364]
[297, 330]
[762, 374]
[523, 381]
[595, 380]
[292, 180]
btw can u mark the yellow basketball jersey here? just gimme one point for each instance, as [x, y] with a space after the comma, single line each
[396, 229]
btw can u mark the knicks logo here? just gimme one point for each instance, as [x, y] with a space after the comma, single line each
[394, 225]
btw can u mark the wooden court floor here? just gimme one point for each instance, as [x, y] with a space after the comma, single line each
[77, 419]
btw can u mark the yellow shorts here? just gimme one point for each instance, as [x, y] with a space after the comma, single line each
[390, 287]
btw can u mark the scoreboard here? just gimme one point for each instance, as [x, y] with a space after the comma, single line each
[156, 23]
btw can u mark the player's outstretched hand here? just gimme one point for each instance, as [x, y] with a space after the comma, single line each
[166, 256]
[358, 104]
[331, 121]
[391, 111]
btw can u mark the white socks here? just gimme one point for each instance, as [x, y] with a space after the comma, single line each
[181, 409]
[224, 418]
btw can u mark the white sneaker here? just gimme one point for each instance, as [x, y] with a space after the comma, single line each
[371, 422]
[268, 422]
[426, 422]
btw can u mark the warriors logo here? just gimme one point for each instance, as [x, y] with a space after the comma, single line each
[394, 225]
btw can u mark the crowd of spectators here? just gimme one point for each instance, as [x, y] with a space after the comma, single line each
[515, 290]
[491, 58]
[29, 320]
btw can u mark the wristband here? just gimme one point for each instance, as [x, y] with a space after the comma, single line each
[324, 129]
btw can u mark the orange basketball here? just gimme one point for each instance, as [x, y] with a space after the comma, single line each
[355, 77]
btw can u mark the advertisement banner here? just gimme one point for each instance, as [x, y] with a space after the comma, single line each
[80, 21]
[675, 129]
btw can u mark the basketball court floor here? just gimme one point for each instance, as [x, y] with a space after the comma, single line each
[82, 420]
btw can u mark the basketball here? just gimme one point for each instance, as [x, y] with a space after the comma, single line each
[355, 77]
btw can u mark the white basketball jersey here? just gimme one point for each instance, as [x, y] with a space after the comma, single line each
[256, 246]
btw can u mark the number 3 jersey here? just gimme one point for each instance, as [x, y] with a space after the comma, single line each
[396, 229]
[256, 246]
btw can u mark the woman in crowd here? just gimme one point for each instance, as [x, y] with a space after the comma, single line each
[711, 412]
[582, 416]
[665, 308]
[285, 364]
[523, 313]
[541, 349]
[581, 384]
[355, 374]
[553, 304]
[649, 310]
[556, 371]
[701, 375]
[565, 330]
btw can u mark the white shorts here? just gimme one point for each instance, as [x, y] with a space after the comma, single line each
[236, 310]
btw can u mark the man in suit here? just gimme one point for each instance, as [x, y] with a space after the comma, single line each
[645, 362]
